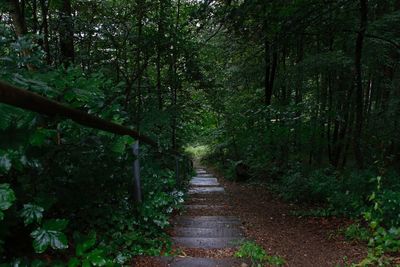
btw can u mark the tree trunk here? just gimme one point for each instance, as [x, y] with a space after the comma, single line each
[44, 8]
[34, 16]
[272, 75]
[175, 79]
[267, 88]
[359, 87]
[66, 32]
[18, 17]
[159, 49]
[138, 63]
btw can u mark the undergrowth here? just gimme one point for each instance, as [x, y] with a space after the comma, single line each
[257, 255]
[371, 198]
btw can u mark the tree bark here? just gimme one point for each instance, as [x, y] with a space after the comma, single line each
[66, 32]
[30, 101]
[138, 63]
[273, 73]
[18, 17]
[159, 49]
[359, 87]
[175, 79]
[46, 46]
[267, 89]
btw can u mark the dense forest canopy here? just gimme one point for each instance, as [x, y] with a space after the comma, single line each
[302, 94]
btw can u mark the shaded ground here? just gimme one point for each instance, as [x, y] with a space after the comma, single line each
[268, 220]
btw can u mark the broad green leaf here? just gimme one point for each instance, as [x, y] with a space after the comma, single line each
[85, 244]
[44, 238]
[86, 263]
[55, 224]
[40, 135]
[5, 163]
[50, 235]
[97, 257]
[120, 144]
[32, 213]
[74, 262]
[7, 198]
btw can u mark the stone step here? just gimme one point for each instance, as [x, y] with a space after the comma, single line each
[201, 262]
[206, 190]
[207, 242]
[207, 222]
[208, 232]
[202, 206]
[204, 181]
[210, 218]
[204, 175]
[201, 178]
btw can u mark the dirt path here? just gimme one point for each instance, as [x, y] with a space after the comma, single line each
[300, 241]
[263, 218]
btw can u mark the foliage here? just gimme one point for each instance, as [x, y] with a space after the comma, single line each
[357, 232]
[304, 93]
[384, 238]
[257, 255]
[50, 235]
[7, 198]
[50, 161]
[86, 254]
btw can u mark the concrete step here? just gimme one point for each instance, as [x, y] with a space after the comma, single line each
[208, 232]
[207, 242]
[201, 262]
[204, 175]
[203, 206]
[204, 181]
[208, 221]
[206, 190]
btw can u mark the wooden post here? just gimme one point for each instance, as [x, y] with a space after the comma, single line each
[137, 190]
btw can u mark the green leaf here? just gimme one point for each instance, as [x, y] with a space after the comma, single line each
[55, 224]
[38, 263]
[5, 163]
[85, 244]
[39, 137]
[86, 263]
[7, 198]
[32, 213]
[49, 235]
[97, 258]
[74, 262]
[121, 143]
[43, 238]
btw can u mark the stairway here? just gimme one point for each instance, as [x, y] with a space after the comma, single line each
[202, 230]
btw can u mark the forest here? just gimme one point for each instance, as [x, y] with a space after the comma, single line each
[301, 97]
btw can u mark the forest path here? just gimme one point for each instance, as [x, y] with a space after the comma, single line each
[219, 212]
[203, 228]
[299, 240]
[205, 235]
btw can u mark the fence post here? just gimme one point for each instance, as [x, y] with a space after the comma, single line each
[137, 190]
